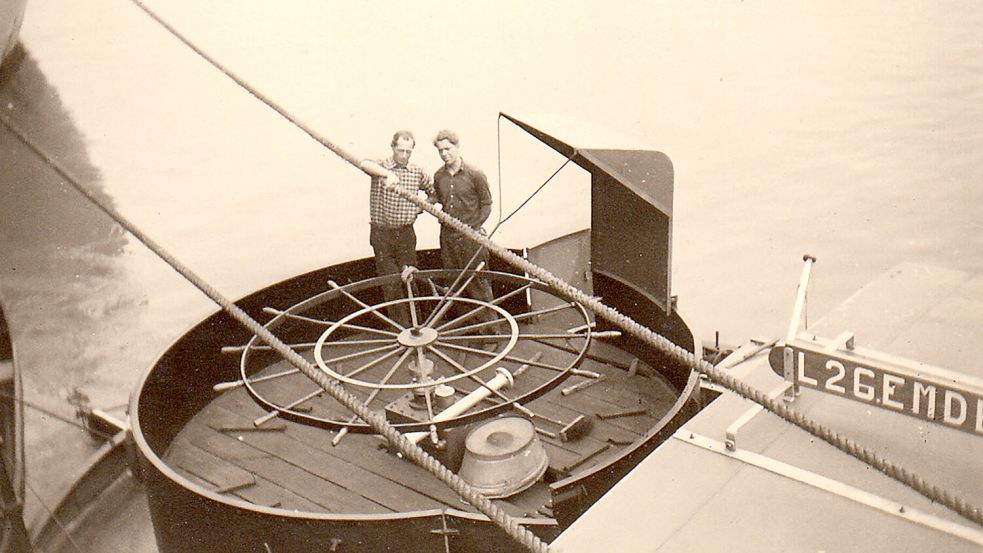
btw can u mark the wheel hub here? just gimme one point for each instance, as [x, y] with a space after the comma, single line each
[417, 337]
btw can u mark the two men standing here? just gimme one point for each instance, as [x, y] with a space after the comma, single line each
[460, 188]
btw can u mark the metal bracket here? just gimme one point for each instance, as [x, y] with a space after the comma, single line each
[446, 532]
[788, 373]
[845, 340]
[525, 256]
[731, 433]
[793, 327]
[568, 498]
[836, 488]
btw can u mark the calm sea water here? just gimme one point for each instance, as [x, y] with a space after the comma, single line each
[849, 132]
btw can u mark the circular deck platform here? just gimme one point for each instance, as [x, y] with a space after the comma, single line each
[278, 463]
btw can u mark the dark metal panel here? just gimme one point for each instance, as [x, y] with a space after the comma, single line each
[631, 213]
[630, 240]
[632, 302]
[562, 147]
[13, 533]
[648, 174]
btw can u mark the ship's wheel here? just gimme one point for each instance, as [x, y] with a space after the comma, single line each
[424, 355]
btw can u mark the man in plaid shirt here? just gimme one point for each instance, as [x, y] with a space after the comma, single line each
[391, 235]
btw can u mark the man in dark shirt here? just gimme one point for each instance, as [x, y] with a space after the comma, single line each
[463, 192]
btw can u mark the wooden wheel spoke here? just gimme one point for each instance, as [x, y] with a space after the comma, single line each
[383, 380]
[371, 309]
[274, 376]
[409, 294]
[429, 400]
[365, 342]
[357, 354]
[358, 370]
[514, 359]
[368, 329]
[520, 317]
[466, 337]
[443, 305]
[498, 301]
[223, 386]
[375, 392]
[279, 408]
[325, 322]
[239, 349]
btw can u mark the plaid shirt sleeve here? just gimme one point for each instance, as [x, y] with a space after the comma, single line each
[387, 207]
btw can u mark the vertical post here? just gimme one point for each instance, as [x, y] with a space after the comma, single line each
[525, 255]
[788, 359]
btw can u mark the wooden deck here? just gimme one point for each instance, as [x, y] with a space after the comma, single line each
[293, 466]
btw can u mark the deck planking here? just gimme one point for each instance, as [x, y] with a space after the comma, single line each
[364, 453]
[295, 466]
[216, 474]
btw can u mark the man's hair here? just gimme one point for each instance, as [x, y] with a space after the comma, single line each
[450, 136]
[406, 135]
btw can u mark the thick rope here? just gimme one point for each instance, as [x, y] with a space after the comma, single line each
[378, 422]
[778, 407]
